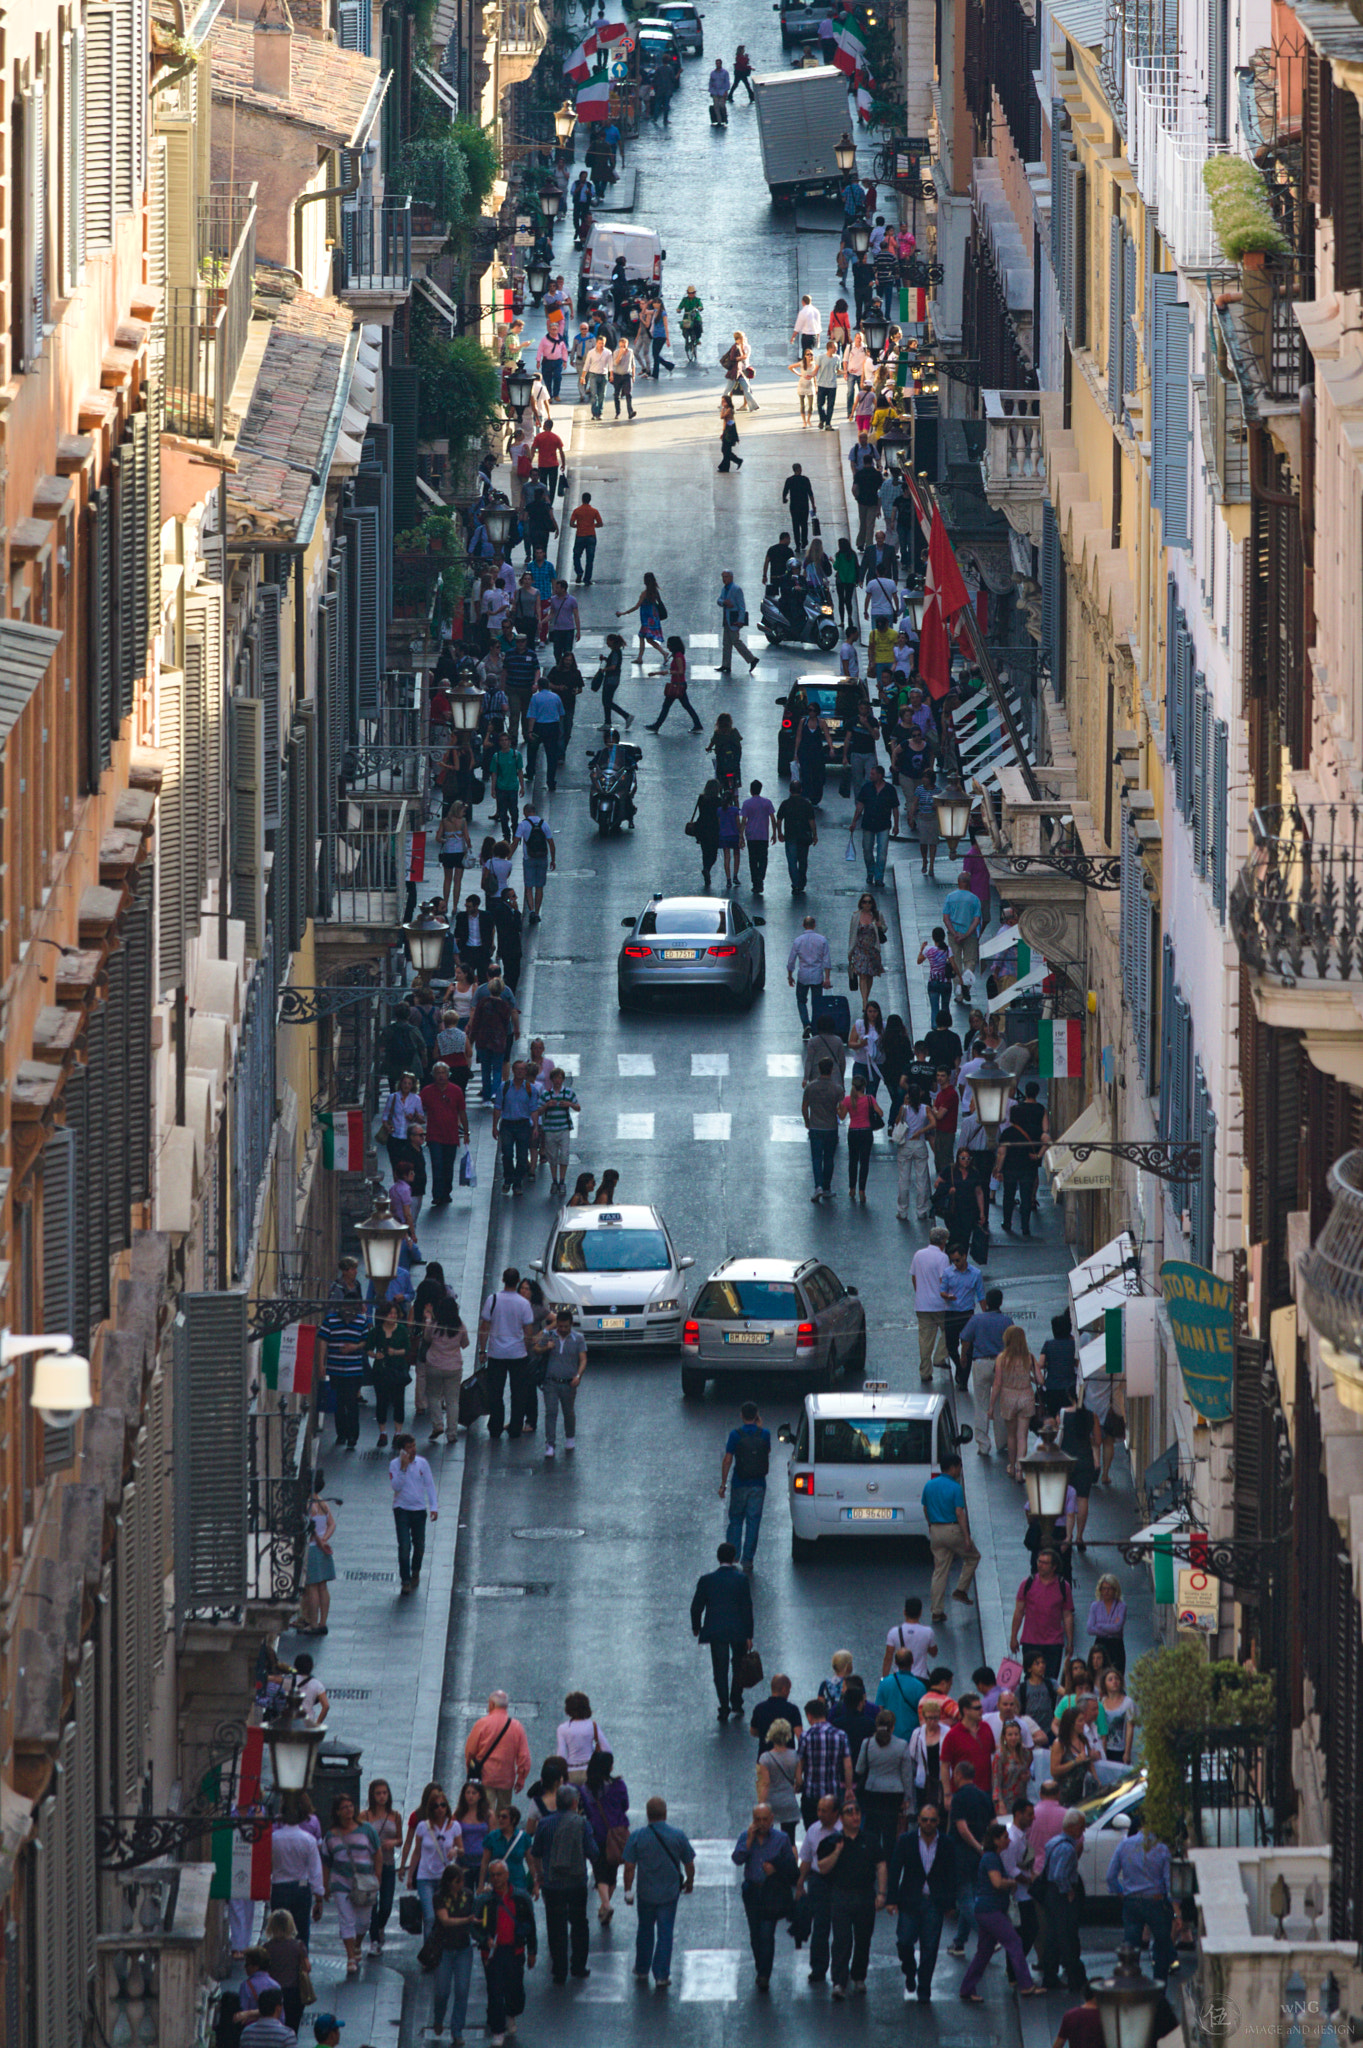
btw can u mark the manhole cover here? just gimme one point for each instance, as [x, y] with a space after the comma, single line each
[522, 1710]
[578, 874]
[508, 1592]
[548, 1535]
[347, 1692]
[388, 1576]
[554, 960]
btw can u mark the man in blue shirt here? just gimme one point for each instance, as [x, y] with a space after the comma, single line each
[961, 916]
[1139, 1876]
[1060, 1935]
[665, 1864]
[981, 1341]
[963, 1288]
[733, 608]
[341, 1343]
[948, 1523]
[899, 1694]
[543, 724]
[747, 1454]
[764, 1852]
[512, 1120]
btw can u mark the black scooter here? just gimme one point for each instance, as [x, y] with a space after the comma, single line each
[817, 625]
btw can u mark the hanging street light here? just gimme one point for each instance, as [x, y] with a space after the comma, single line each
[537, 278]
[381, 1238]
[1046, 1475]
[519, 385]
[497, 523]
[425, 938]
[876, 328]
[845, 154]
[860, 237]
[550, 201]
[466, 706]
[293, 1752]
[953, 808]
[991, 1087]
[1128, 2004]
[565, 120]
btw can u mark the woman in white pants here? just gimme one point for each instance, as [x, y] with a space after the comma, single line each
[353, 1865]
[910, 1136]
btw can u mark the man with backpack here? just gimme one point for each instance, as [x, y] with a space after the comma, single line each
[747, 1454]
[539, 855]
[558, 1860]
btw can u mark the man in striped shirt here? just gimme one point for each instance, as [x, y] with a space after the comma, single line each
[557, 1107]
[341, 1345]
[827, 1761]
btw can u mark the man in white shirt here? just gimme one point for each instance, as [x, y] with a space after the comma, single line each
[1016, 1859]
[809, 966]
[914, 1634]
[819, 1888]
[296, 1884]
[808, 324]
[414, 1497]
[1032, 1733]
[502, 1331]
[929, 1269]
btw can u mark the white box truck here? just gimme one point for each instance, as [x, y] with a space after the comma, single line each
[800, 116]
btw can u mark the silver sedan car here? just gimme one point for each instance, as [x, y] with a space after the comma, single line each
[792, 1316]
[692, 942]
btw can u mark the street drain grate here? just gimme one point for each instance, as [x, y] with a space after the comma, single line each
[348, 1692]
[522, 1710]
[548, 1535]
[554, 960]
[387, 1577]
[522, 1592]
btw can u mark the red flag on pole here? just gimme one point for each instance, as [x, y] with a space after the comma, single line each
[945, 598]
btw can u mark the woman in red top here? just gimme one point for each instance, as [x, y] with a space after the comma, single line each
[863, 1120]
[674, 689]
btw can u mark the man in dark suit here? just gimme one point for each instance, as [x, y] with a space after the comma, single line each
[923, 1889]
[721, 1615]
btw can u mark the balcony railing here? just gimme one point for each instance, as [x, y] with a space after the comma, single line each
[522, 30]
[384, 768]
[368, 844]
[1168, 144]
[279, 1453]
[1297, 908]
[1273, 338]
[1014, 445]
[207, 323]
[376, 248]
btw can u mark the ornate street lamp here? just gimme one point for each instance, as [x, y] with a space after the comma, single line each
[519, 385]
[1129, 2003]
[990, 1087]
[550, 201]
[953, 808]
[537, 278]
[860, 237]
[466, 707]
[875, 327]
[381, 1238]
[293, 1752]
[425, 938]
[1046, 1475]
[565, 120]
[845, 154]
[497, 521]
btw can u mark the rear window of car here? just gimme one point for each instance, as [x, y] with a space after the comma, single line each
[872, 1440]
[823, 701]
[727, 1301]
[611, 1251]
[696, 924]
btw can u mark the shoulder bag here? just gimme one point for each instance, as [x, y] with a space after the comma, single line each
[876, 1115]
[473, 1767]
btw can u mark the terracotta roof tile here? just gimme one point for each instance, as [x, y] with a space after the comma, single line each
[335, 94]
[282, 446]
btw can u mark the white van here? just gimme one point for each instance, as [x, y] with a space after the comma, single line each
[644, 255]
[859, 1462]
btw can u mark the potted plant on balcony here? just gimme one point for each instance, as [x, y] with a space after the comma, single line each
[1240, 211]
[214, 272]
[1184, 1702]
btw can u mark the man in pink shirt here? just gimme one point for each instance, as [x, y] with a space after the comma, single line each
[496, 1749]
[1047, 1820]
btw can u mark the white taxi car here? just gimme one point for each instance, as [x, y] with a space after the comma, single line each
[859, 1462]
[618, 1271]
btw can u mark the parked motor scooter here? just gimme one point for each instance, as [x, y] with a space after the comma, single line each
[816, 626]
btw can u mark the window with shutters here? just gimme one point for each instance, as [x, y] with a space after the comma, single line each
[1054, 598]
[132, 1677]
[1116, 287]
[1202, 1193]
[402, 385]
[137, 945]
[362, 523]
[59, 1269]
[100, 634]
[174, 821]
[158, 215]
[246, 747]
[208, 1467]
[1129, 321]
[302, 830]
[130, 108]
[30, 256]
[75, 1102]
[1198, 806]
[1315, 128]
[101, 127]
[1171, 415]
[1346, 183]
[71, 226]
[1137, 939]
[204, 633]
[1220, 824]
[95, 1166]
[1218, 71]
[268, 652]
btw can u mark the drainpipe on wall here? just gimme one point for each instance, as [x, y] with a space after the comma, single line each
[347, 191]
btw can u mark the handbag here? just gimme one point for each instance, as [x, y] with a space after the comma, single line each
[845, 783]
[692, 828]
[616, 1838]
[850, 856]
[750, 1669]
[899, 1133]
[876, 1117]
[598, 678]
[473, 1401]
[662, 611]
[409, 1915]
[671, 691]
[306, 1994]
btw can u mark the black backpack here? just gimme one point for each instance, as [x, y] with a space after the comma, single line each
[752, 1457]
[536, 843]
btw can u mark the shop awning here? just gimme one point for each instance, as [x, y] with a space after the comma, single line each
[1070, 1175]
[1104, 1281]
[1027, 984]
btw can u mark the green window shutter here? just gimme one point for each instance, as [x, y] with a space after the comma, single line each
[1220, 806]
[100, 626]
[1115, 284]
[95, 1166]
[246, 749]
[267, 645]
[402, 383]
[1129, 314]
[75, 1101]
[100, 127]
[172, 822]
[59, 1270]
[116, 1080]
[208, 1466]
[1171, 425]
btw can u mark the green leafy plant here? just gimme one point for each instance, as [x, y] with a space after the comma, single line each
[433, 171]
[460, 390]
[1179, 1694]
[1240, 210]
[437, 534]
[480, 159]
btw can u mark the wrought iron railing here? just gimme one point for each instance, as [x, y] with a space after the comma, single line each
[279, 1449]
[376, 247]
[1229, 1784]
[383, 767]
[369, 834]
[1276, 342]
[1297, 908]
[207, 324]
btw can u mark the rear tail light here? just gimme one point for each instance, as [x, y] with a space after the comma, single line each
[786, 724]
[803, 1482]
[805, 1337]
[721, 952]
[657, 268]
[691, 1333]
[638, 952]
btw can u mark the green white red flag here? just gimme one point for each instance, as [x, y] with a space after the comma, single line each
[594, 99]
[286, 1359]
[850, 51]
[343, 1139]
[241, 1867]
[1060, 1048]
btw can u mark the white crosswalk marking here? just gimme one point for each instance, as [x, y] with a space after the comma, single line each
[714, 1860]
[608, 1982]
[714, 1124]
[709, 1976]
[635, 1123]
[783, 1066]
[787, 1130]
[635, 1066]
[716, 1063]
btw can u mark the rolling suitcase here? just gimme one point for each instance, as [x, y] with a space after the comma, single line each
[833, 1013]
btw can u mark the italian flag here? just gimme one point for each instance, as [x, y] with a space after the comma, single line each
[579, 65]
[850, 53]
[1114, 1326]
[342, 1139]
[1024, 958]
[1060, 1047]
[286, 1358]
[416, 857]
[594, 99]
[863, 104]
[241, 1868]
[604, 32]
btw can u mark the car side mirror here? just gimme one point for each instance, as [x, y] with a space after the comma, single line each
[537, 1265]
[785, 1434]
[849, 1290]
[1122, 1823]
[759, 920]
[965, 1434]
[686, 1264]
[628, 923]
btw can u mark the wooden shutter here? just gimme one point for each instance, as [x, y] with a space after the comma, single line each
[1116, 279]
[1220, 850]
[402, 382]
[246, 747]
[1315, 123]
[209, 1462]
[100, 634]
[1218, 71]
[194, 760]
[59, 1269]
[364, 523]
[203, 622]
[1129, 372]
[267, 645]
[280, 877]
[300, 839]
[31, 269]
[130, 97]
[81, 1921]
[171, 826]
[1347, 192]
[1059, 143]
[95, 1174]
[1171, 425]
[137, 945]
[1203, 1195]
[72, 181]
[1199, 792]
[101, 127]
[182, 256]
[124, 545]
[155, 1482]
[75, 1102]
[1147, 938]
[141, 545]
[1252, 1477]
[158, 209]
[151, 479]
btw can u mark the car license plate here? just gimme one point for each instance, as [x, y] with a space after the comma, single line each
[747, 1336]
[612, 1322]
[678, 953]
[870, 1514]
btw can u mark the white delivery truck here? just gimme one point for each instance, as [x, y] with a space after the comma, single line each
[800, 117]
[643, 253]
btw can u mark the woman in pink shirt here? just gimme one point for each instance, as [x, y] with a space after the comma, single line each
[863, 1119]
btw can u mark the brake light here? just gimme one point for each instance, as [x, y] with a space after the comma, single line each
[691, 1334]
[786, 724]
[638, 952]
[805, 1336]
[657, 267]
[803, 1482]
[721, 952]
